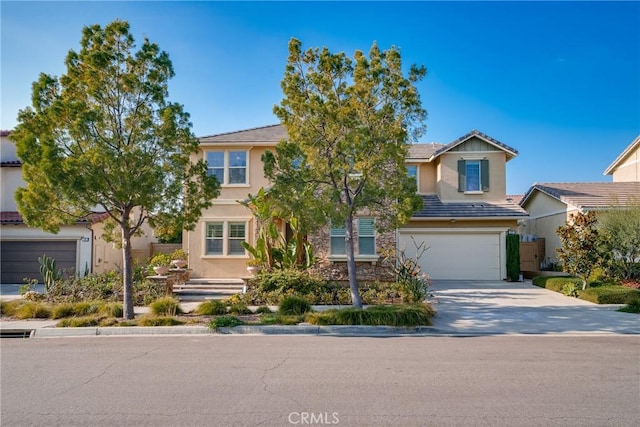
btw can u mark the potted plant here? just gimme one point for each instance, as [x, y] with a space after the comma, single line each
[160, 263]
[254, 265]
[179, 258]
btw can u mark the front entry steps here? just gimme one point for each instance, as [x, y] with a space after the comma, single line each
[204, 289]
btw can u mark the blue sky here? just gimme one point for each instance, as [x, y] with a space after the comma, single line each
[558, 81]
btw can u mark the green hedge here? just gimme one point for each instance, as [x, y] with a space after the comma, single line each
[610, 295]
[390, 315]
[555, 283]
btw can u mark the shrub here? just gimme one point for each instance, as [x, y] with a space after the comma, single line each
[109, 321]
[211, 308]
[166, 306]
[239, 309]
[32, 310]
[390, 315]
[294, 306]
[281, 319]
[86, 308]
[158, 321]
[111, 309]
[60, 311]
[571, 290]
[225, 322]
[555, 283]
[300, 282]
[610, 295]
[79, 322]
[633, 306]
[263, 309]
[8, 308]
[513, 257]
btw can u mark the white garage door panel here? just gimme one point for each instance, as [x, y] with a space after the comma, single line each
[458, 256]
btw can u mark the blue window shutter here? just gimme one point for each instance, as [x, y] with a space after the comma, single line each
[484, 174]
[462, 166]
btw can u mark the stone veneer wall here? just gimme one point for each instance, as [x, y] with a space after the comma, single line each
[366, 270]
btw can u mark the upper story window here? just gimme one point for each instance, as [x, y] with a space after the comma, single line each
[229, 167]
[473, 176]
[412, 172]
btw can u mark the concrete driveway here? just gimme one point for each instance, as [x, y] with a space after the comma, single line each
[495, 308]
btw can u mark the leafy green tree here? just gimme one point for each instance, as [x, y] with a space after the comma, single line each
[348, 124]
[621, 225]
[104, 135]
[583, 246]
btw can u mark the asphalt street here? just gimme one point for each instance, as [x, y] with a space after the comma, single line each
[309, 380]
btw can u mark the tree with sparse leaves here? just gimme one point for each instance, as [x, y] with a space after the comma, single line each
[583, 246]
[104, 135]
[621, 225]
[349, 123]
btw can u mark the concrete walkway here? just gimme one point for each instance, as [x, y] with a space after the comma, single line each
[495, 308]
[464, 308]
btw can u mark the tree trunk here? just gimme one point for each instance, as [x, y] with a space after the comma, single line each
[351, 263]
[127, 275]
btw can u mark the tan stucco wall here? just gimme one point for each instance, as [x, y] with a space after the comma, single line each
[447, 177]
[546, 214]
[10, 180]
[427, 174]
[7, 150]
[629, 170]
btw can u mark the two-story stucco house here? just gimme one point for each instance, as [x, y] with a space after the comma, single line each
[464, 222]
[78, 247]
[550, 204]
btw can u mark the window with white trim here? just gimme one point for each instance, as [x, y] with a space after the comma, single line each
[225, 238]
[229, 167]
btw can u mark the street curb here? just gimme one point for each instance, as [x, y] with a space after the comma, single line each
[334, 330]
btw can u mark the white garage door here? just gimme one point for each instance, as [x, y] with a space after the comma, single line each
[457, 256]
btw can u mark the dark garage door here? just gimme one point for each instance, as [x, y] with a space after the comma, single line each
[20, 259]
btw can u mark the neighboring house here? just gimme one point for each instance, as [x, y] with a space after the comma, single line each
[76, 247]
[465, 218]
[626, 167]
[550, 205]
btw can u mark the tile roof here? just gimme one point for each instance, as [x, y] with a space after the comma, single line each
[512, 151]
[635, 144]
[423, 151]
[271, 133]
[434, 208]
[11, 164]
[588, 195]
[11, 217]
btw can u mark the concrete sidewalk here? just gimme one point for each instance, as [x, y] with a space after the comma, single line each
[464, 308]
